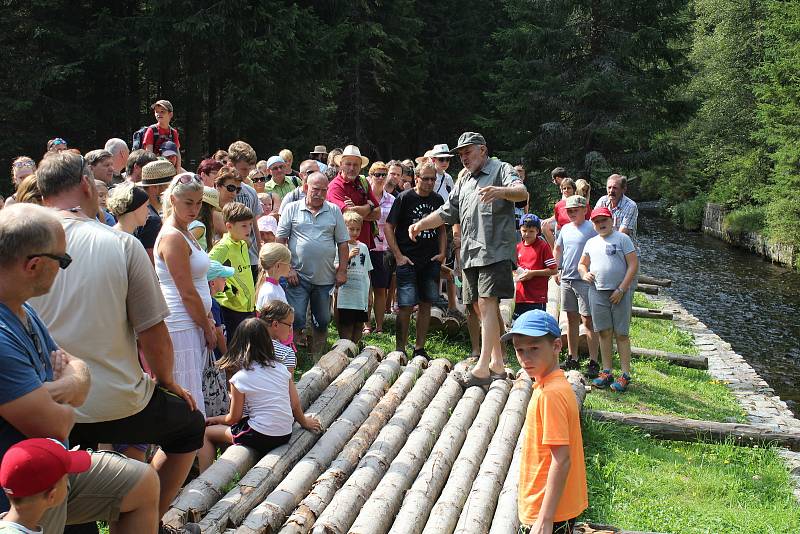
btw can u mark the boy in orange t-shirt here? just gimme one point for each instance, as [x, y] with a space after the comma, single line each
[552, 483]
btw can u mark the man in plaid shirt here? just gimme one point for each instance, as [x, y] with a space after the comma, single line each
[623, 209]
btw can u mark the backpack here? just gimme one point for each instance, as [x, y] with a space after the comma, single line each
[138, 138]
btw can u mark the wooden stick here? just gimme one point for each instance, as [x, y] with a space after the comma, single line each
[506, 515]
[648, 289]
[199, 495]
[482, 501]
[663, 282]
[342, 510]
[268, 472]
[680, 429]
[448, 507]
[326, 486]
[684, 360]
[419, 500]
[593, 528]
[647, 313]
[271, 513]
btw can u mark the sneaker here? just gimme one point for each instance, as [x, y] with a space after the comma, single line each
[571, 365]
[592, 370]
[421, 352]
[620, 385]
[604, 379]
[188, 528]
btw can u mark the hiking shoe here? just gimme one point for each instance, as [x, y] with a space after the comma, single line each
[421, 352]
[620, 385]
[592, 370]
[188, 528]
[604, 379]
[571, 365]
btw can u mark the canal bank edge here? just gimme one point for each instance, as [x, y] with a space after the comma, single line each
[752, 392]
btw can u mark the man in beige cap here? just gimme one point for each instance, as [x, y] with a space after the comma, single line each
[482, 202]
[351, 191]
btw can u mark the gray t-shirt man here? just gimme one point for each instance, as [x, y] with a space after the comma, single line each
[607, 256]
[571, 240]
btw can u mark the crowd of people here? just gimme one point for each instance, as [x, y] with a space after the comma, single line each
[151, 315]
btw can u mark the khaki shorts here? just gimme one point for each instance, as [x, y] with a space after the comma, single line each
[494, 280]
[96, 494]
[575, 297]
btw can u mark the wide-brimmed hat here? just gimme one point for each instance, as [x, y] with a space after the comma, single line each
[159, 172]
[425, 156]
[350, 151]
[211, 196]
[319, 149]
[469, 138]
[441, 151]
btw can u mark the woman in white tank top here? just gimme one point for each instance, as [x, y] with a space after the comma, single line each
[181, 265]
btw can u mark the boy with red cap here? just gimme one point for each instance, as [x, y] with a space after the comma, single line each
[609, 263]
[33, 475]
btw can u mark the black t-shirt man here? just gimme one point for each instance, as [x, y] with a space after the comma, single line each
[408, 208]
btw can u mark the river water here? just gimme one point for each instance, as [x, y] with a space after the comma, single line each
[747, 301]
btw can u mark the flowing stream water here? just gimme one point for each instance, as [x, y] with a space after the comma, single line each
[749, 302]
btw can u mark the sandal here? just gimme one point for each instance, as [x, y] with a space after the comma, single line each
[367, 331]
[498, 376]
[467, 380]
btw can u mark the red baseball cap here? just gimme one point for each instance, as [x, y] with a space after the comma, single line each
[600, 212]
[35, 465]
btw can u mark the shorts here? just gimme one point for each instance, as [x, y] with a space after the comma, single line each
[606, 315]
[348, 316]
[244, 435]
[165, 421]
[522, 307]
[493, 280]
[381, 273]
[575, 296]
[96, 494]
[418, 283]
[559, 527]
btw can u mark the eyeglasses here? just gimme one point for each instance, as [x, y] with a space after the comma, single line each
[63, 261]
[26, 163]
[258, 179]
[285, 324]
[233, 188]
[379, 174]
[188, 178]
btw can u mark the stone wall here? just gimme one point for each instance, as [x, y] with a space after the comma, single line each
[755, 242]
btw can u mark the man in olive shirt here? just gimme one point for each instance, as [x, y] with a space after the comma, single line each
[482, 202]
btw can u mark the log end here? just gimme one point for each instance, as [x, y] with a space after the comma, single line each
[346, 346]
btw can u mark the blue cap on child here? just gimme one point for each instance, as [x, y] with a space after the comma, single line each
[217, 270]
[534, 323]
[529, 219]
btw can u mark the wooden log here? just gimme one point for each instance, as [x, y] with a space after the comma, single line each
[302, 519]
[482, 500]
[419, 500]
[452, 326]
[380, 509]
[271, 513]
[647, 313]
[594, 528]
[681, 429]
[663, 282]
[269, 471]
[506, 516]
[648, 289]
[437, 318]
[507, 311]
[445, 513]
[684, 360]
[199, 495]
[344, 507]
[578, 383]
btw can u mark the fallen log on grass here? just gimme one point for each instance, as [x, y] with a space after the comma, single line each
[681, 429]
[482, 501]
[270, 470]
[593, 528]
[419, 500]
[271, 513]
[663, 282]
[578, 383]
[344, 507]
[506, 516]
[199, 495]
[647, 313]
[380, 509]
[684, 360]
[450, 503]
[647, 289]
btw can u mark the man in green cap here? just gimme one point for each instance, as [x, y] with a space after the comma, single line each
[482, 202]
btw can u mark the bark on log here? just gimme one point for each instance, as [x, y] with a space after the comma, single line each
[684, 360]
[437, 318]
[269, 471]
[482, 501]
[419, 500]
[448, 507]
[342, 510]
[663, 282]
[648, 289]
[326, 486]
[506, 516]
[647, 313]
[271, 513]
[680, 429]
[199, 495]
[377, 513]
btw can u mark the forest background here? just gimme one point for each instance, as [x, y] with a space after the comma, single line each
[693, 100]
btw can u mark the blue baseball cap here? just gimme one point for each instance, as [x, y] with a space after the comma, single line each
[217, 270]
[529, 219]
[273, 160]
[533, 323]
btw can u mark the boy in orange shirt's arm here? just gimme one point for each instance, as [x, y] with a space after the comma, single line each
[552, 485]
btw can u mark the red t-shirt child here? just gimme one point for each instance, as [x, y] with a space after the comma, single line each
[163, 135]
[535, 256]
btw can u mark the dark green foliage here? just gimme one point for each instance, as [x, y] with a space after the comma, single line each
[748, 219]
[689, 213]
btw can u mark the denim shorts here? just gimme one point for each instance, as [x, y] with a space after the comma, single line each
[418, 283]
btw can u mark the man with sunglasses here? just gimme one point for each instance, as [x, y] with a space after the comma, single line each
[98, 309]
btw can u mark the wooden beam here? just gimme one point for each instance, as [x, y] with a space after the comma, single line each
[663, 282]
[684, 360]
[649, 289]
[646, 313]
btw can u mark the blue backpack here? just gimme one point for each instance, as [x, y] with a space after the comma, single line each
[138, 137]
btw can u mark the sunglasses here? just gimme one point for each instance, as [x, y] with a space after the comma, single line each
[233, 188]
[188, 178]
[379, 174]
[258, 179]
[427, 179]
[58, 141]
[443, 160]
[63, 261]
[19, 164]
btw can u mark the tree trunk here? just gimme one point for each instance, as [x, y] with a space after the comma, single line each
[326, 486]
[271, 469]
[199, 495]
[377, 513]
[482, 501]
[649, 289]
[506, 515]
[271, 513]
[680, 429]
[663, 282]
[448, 507]
[646, 313]
[684, 360]
[342, 510]
[419, 500]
